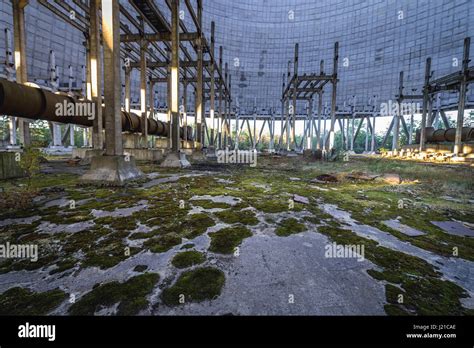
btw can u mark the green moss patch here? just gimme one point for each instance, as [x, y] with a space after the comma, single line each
[131, 295]
[21, 301]
[424, 292]
[188, 259]
[226, 240]
[195, 286]
[288, 227]
[231, 216]
[162, 243]
[208, 204]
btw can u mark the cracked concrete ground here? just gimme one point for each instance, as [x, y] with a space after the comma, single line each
[270, 247]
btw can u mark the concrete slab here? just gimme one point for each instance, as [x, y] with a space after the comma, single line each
[407, 230]
[454, 227]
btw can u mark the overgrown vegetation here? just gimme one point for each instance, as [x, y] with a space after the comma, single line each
[130, 295]
[195, 286]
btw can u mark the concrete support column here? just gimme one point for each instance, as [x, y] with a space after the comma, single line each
[199, 83]
[151, 96]
[71, 135]
[56, 129]
[19, 34]
[212, 100]
[95, 73]
[272, 131]
[143, 92]
[295, 86]
[280, 142]
[175, 76]
[372, 142]
[255, 127]
[367, 120]
[12, 129]
[333, 97]
[221, 115]
[226, 105]
[309, 144]
[229, 124]
[320, 111]
[112, 84]
[128, 93]
[185, 109]
[410, 133]
[425, 104]
[458, 148]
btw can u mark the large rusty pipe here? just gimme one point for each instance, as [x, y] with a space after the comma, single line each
[38, 104]
[446, 135]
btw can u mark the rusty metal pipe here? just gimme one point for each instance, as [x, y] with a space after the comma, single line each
[38, 104]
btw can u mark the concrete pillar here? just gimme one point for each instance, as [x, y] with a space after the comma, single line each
[229, 124]
[282, 118]
[175, 76]
[19, 33]
[295, 86]
[226, 105]
[333, 97]
[372, 143]
[458, 148]
[199, 83]
[10, 70]
[255, 126]
[320, 111]
[96, 73]
[425, 104]
[367, 120]
[143, 92]
[128, 96]
[353, 133]
[185, 108]
[12, 129]
[213, 90]
[112, 84]
[410, 133]
[272, 131]
[168, 86]
[221, 114]
[309, 144]
[151, 96]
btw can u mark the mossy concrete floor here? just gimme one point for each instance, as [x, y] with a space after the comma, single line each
[231, 239]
